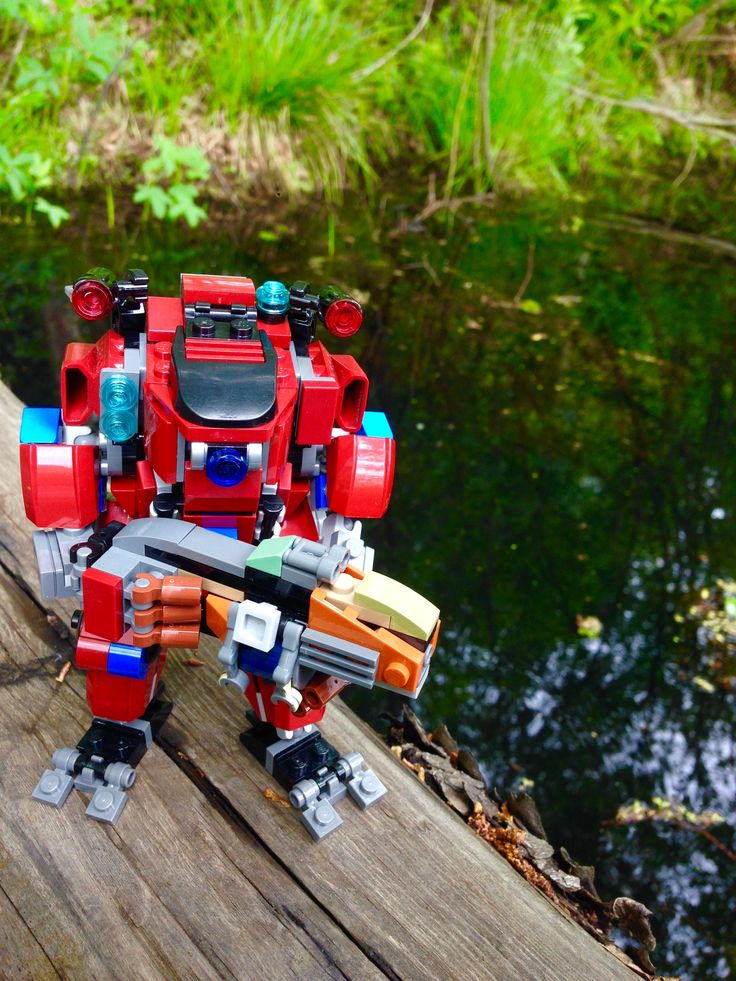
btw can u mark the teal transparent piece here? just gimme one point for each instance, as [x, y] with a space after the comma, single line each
[272, 297]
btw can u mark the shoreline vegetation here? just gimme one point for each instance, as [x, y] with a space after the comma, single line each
[629, 104]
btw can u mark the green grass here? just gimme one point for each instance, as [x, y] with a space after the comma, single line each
[274, 99]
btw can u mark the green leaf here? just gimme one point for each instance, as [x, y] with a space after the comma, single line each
[155, 197]
[531, 306]
[183, 204]
[54, 212]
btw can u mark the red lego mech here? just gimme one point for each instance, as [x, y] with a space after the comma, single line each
[207, 472]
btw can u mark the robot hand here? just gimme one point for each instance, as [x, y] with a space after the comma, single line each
[289, 694]
[338, 530]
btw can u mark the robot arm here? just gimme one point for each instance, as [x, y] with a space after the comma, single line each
[359, 480]
[348, 453]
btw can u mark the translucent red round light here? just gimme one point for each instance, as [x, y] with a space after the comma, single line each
[343, 317]
[91, 299]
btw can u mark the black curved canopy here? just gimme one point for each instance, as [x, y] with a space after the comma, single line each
[232, 393]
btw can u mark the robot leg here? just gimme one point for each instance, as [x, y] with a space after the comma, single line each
[128, 713]
[316, 775]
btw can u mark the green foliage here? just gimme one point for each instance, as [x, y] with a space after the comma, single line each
[54, 212]
[287, 99]
[183, 169]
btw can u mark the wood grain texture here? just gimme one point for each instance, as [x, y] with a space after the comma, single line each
[206, 877]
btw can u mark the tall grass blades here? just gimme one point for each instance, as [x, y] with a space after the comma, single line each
[285, 99]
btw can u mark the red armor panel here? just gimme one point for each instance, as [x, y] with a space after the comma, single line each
[259, 693]
[164, 316]
[60, 487]
[360, 475]
[123, 699]
[103, 603]
[221, 291]
[317, 406]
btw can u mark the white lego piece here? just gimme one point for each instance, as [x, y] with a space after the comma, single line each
[256, 625]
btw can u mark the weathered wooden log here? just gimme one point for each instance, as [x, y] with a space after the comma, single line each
[207, 876]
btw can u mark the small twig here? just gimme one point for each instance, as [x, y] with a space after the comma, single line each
[641, 227]
[683, 826]
[458, 113]
[709, 837]
[362, 73]
[276, 798]
[435, 204]
[689, 163]
[430, 271]
[717, 126]
[111, 75]
[484, 86]
[690, 30]
[14, 55]
[527, 275]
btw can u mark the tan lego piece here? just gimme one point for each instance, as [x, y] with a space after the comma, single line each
[410, 613]
[341, 592]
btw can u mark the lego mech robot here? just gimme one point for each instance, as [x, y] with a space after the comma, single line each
[207, 472]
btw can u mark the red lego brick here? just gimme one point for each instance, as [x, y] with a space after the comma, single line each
[215, 349]
[218, 290]
[60, 486]
[80, 395]
[164, 316]
[200, 494]
[145, 487]
[297, 493]
[80, 376]
[360, 475]
[134, 492]
[103, 603]
[123, 489]
[278, 334]
[159, 426]
[279, 715]
[300, 521]
[318, 399]
[122, 699]
[353, 392]
[91, 652]
[158, 363]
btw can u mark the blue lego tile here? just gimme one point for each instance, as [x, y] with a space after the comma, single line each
[258, 662]
[128, 661]
[320, 491]
[227, 532]
[40, 425]
[376, 424]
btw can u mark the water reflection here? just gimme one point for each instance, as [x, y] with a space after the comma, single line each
[566, 450]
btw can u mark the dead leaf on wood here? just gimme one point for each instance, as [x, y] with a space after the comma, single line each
[633, 917]
[415, 732]
[441, 737]
[516, 831]
[467, 762]
[586, 873]
[58, 626]
[524, 809]
[540, 853]
[443, 763]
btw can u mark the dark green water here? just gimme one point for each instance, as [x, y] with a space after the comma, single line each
[572, 458]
